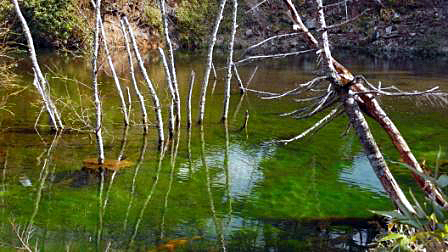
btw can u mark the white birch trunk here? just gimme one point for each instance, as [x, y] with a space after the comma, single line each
[133, 80]
[169, 82]
[171, 58]
[114, 74]
[208, 67]
[41, 82]
[230, 63]
[96, 97]
[190, 92]
[155, 99]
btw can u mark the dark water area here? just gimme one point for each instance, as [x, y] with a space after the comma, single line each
[213, 188]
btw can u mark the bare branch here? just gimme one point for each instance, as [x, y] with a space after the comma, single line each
[317, 126]
[346, 21]
[260, 92]
[306, 86]
[273, 56]
[269, 39]
[256, 6]
[240, 83]
[252, 76]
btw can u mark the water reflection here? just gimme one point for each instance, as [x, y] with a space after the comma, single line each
[211, 189]
[362, 175]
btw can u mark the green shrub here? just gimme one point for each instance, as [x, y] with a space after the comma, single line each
[193, 22]
[53, 23]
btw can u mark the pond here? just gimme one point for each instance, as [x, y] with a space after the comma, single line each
[213, 188]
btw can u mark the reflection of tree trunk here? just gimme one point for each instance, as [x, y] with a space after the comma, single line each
[42, 179]
[100, 224]
[149, 197]
[174, 148]
[227, 172]
[218, 225]
[134, 178]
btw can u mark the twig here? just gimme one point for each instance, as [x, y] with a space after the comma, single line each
[260, 92]
[345, 22]
[170, 84]
[306, 86]
[256, 6]
[273, 56]
[269, 39]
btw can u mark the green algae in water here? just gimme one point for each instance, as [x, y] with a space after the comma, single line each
[262, 196]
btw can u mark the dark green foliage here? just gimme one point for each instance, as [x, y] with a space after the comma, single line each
[53, 23]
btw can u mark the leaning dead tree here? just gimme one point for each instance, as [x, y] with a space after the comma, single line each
[40, 82]
[355, 96]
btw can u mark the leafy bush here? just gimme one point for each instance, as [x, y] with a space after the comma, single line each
[53, 23]
[193, 22]
[427, 230]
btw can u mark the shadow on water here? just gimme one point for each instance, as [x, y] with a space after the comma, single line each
[212, 188]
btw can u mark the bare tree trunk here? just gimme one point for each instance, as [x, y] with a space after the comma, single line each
[169, 82]
[373, 108]
[374, 155]
[208, 67]
[171, 58]
[358, 121]
[190, 91]
[96, 97]
[41, 83]
[114, 75]
[154, 97]
[230, 63]
[133, 80]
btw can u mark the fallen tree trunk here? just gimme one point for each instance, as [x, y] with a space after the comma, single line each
[367, 102]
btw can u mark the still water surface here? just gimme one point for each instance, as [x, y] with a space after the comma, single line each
[213, 188]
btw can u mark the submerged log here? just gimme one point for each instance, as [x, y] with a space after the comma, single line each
[113, 165]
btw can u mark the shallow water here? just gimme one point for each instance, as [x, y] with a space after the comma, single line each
[213, 188]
